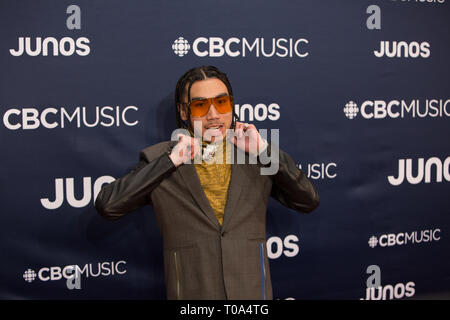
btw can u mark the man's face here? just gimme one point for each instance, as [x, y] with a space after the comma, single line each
[213, 125]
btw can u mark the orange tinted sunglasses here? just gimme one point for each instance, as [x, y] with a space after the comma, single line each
[200, 107]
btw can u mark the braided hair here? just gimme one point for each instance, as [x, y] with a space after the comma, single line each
[196, 74]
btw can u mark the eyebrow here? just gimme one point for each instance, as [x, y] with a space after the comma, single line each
[218, 96]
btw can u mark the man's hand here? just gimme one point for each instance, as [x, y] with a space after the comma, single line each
[247, 138]
[185, 150]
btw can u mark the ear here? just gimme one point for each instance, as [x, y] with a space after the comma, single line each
[183, 111]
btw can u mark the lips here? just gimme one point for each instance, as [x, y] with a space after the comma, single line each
[214, 126]
[214, 129]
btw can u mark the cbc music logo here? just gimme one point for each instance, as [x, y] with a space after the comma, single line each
[243, 47]
[318, 171]
[50, 118]
[404, 238]
[421, 1]
[394, 109]
[92, 270]
[424, 172]
[181, 47]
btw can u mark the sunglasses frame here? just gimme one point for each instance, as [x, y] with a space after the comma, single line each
[231, 103]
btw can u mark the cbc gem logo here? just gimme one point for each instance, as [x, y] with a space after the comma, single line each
[181, 47]
[351, 109]
[373, 241]
[29, 275]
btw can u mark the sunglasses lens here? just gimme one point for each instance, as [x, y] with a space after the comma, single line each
[199, 107]
[222, 104]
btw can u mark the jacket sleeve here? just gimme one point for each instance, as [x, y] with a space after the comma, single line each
[131, 191]
[290, 185]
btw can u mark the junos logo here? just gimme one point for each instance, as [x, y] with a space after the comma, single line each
[375, 291]
[380, 109]
[70, 196]
[50, 118]
[403, 49]
[404, 238]
[242, 47]
[259, 112]
[66, 47]
[400, 290]
[423, 169]
[276, 247]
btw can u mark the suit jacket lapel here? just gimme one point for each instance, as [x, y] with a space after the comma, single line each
[190, 177]
[234, 192]
[235, 186]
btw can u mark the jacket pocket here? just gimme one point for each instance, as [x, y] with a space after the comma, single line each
[177, 259]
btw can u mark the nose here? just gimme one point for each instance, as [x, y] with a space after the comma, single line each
[212, 113]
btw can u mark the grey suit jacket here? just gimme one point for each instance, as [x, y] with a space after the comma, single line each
[202, 259]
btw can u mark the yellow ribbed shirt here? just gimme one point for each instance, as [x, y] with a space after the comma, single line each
[214, 177]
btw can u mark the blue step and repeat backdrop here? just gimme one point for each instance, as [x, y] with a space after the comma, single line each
[358, 89]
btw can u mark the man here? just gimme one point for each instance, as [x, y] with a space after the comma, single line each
[211, 211]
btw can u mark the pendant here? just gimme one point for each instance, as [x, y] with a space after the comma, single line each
[209, 152]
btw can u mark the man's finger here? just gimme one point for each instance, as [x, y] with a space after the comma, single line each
[250, 127]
